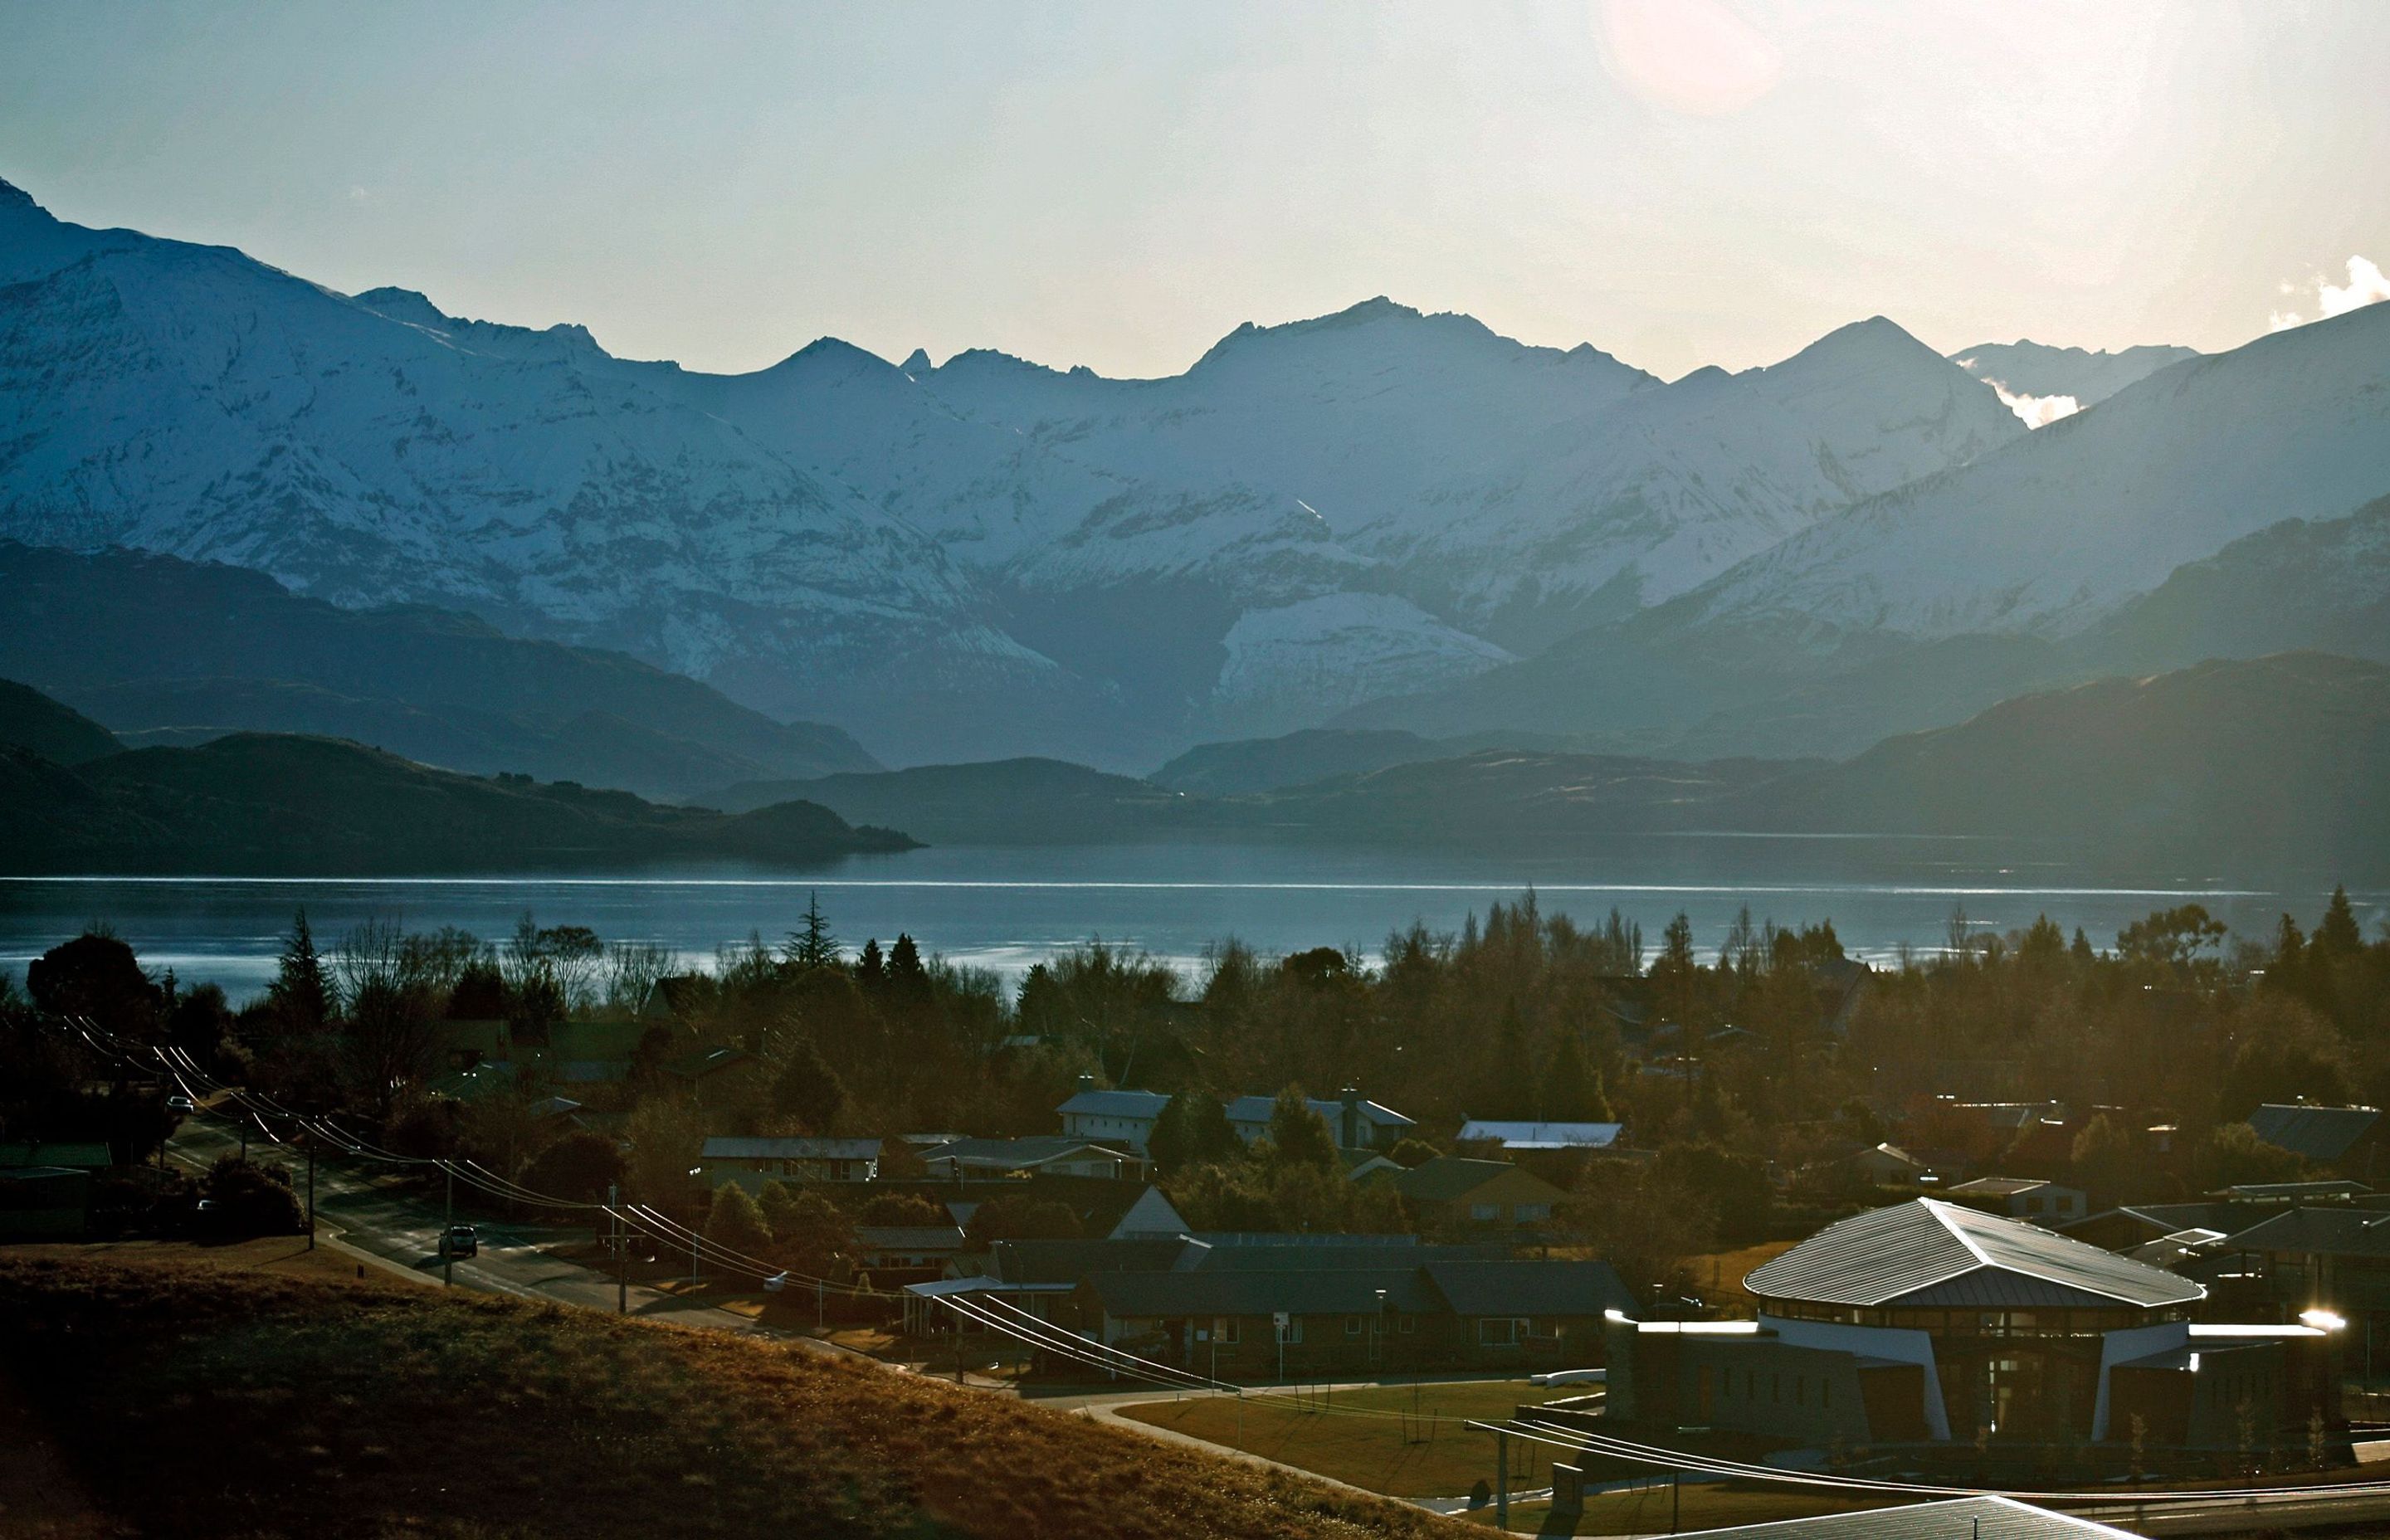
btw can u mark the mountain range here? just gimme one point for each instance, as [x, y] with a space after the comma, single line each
[1379, 521]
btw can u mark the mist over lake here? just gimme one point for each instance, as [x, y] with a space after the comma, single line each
[1005, 907]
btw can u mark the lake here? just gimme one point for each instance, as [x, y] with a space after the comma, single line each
[1004, 907]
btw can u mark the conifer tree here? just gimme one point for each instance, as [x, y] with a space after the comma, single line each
[2338, 935]
[808, 1089]
[300, 990]
[736, 1223]
[1299, 1135]
[813, 947]
[1572, 1091]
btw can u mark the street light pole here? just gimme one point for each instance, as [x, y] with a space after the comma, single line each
[310, 1140]
[448, 1252]
[621, 1249]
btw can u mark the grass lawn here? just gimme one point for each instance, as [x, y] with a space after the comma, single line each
[210, 1395]
[1434, 1456]
[1719, 1275]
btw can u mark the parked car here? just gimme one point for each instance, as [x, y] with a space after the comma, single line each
[462, 1241]
[181, 1104]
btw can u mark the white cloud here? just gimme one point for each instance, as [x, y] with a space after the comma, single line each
[2367, 285]
[2033, 411]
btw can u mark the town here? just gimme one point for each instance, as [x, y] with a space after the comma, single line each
[1571, 1224]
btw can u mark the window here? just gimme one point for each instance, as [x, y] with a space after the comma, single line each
[1485, 1213]
[1406, 1325]
[1224, 1329]
[1352, 1325]
[1499, 1331]
[1531, 1214]
[1293, 1332]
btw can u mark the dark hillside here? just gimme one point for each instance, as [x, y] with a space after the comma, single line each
[200, 1403]
[30, 720]
[257, 802]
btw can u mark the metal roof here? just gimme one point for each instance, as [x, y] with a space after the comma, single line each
[2315, 1133]
[722, 1147]
[1450, 1178]
[1999, 1186]
[1530, 1288]
[2321, 1232]
[1240, 1292]
[1958, 1518]
[1930, 1254]
[1541, 1135]
[1116, 1104]
[1249, 1109]
[909, 1237]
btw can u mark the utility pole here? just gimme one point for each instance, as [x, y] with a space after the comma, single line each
[1502, 1482]
[310, 1140]
[447, 1252]
[820, 1321]
[1676, 1497]
[621, 1249]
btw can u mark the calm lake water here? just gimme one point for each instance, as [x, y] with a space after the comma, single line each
[1004, 908]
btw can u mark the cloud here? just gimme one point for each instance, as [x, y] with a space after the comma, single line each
[2367, 285]
[2033, 411]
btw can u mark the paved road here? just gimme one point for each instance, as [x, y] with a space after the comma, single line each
[399, 1231]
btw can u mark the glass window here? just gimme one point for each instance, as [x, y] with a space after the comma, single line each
[1406, 1325]
[1498, 1332]
[1352, 1325]
[1224, 1328]
[1484, 1212]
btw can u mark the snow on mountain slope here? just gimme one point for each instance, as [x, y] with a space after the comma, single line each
[1339, 650]
[2038, 371]
[1679, 482]
[2048, 535]
[188, 400]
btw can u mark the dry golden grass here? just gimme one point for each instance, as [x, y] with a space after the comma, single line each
[198, 1399]
[1719, 1275]
[1435, 1457]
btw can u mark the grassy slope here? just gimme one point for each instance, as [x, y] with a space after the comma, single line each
[196, 1400]
[1376, 1451]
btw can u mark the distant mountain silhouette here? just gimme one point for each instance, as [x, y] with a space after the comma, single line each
[173, 652]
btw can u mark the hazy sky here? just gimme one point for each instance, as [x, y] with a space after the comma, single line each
[1678, 181]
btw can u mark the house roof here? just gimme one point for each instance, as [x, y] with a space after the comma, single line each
[1530, 1288]
[1349, 1291]
[1116, 1104]
[2314, 1133]
[2285, 1192]
[909, 1237]
[1959, 1519]
[1450, 1178]
[1066, 1262]
[695, 1065]
[1998, 1186]
[1258, 1109]
[1036, 1150]
[2323, 1232]
[721, 1146]
[1542, 1135]
[1925, 1254]
[21, 1157]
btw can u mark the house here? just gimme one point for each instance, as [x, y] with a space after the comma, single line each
[1928, 1321]
[1362, 1164]
[902, 1254]
[725, 1158]
[1888, 1165]
[1451, 1189]
[2340, 1137]
[1262, 1323]
[1055, 1154]
[44, 1202]
[1540, 1136]
[2022, 1197]
[34, 1154]
[716, 1077]
[1356, 1124]
[2333, 1258]
[1123, 1118]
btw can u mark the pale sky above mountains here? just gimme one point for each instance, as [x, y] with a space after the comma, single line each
[1679, 182]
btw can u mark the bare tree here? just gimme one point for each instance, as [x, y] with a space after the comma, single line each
[633, 969]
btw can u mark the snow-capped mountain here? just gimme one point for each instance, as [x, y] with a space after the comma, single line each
[981, 556]
[2043, 384]
[2047, 536]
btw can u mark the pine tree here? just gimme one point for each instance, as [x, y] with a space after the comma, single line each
[814, 946]
[1572, 1090]
[808, 1089]
[1298, 1134]
[871, 967]
[2338, 935]
[736, 1223]
[906, 974]
[300, 991]
[1510, 1091]
[1171, 1140]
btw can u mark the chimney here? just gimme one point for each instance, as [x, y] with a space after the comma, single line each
[1086, 1083]
[1351, 1137]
